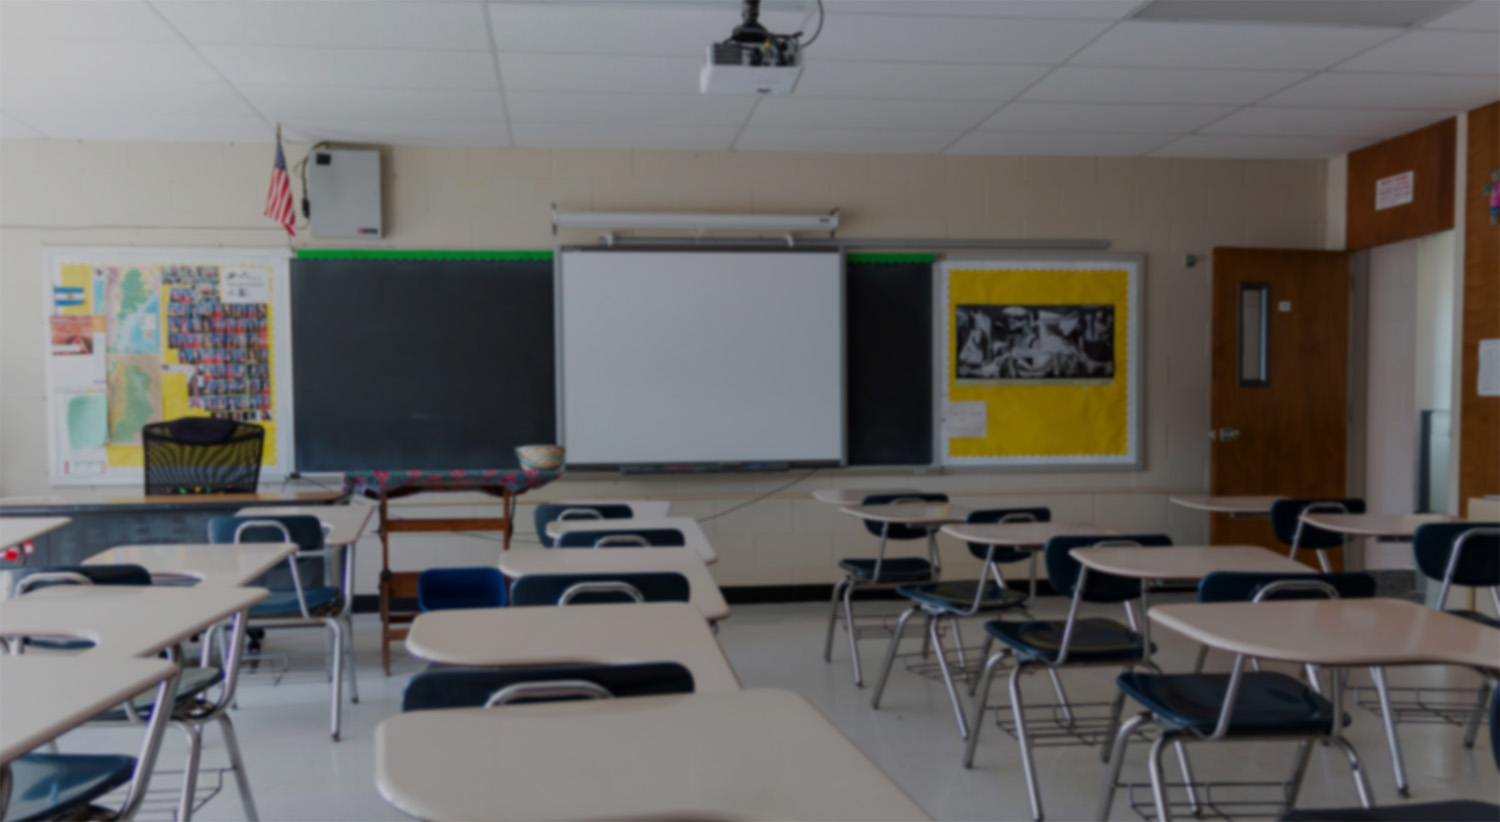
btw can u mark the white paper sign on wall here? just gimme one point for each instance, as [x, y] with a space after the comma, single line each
[1489, 368]
[965, 419]
[1394, 191]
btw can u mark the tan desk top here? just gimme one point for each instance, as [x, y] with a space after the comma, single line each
[346, 523]
[46, 696]
[575, 635]
[289, 497]
[692, 532]
[912, 513]
[16, 530]
[223, 565]
[845, 497]
[1338, 632]
[1243, 505]
[1021, 534]
[122, 620]
[1186, 562]
[761, 754]
[1374, 525]
[704, 593]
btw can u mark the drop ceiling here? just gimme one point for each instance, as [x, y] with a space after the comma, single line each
[1032, 77]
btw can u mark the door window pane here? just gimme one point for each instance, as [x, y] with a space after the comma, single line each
[1255, 299]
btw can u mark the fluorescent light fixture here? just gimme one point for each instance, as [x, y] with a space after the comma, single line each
[623, 220]
[1385, 13]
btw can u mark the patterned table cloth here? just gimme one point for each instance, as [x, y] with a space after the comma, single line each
[376, 484]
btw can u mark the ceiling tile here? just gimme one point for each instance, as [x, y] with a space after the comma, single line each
[1322, 122]
[23, 94]
[578, 72]
[1042, 144]
[1456, 52]
[1103, 118]
[621, 28]
[398, 132]
[162, 64]
[1227, 45]
[627, 109]
[954, 39]
[1070, 84]
[1483, 15]
[1268, 148]
[317, 102]
[1064, 9]
[668, 138]
[13, 129]
[395, 25]
[835, 112]
[153, 127]
[85, 20]
[388, 68]
[846, 140]
[1439, 92]
[933, 81]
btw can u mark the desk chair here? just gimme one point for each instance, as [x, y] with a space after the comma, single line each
[879, 571]
[553, 511]
[1078, 641]
[1258, 705]
[62, 786]
[202, 455]
[565, 589]
[303, 606]
[623, 537]
[490, 687]
[953, 600]
[443, 588]
[1291, 531]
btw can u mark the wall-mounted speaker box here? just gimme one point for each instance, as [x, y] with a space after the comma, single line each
[344, 192]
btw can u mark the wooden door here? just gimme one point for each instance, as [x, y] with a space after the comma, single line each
[1280, 380]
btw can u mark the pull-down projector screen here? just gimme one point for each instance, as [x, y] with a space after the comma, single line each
[674, 357]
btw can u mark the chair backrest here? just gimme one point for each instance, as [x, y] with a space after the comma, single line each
[306, 531]
[473, 687]
[440, 589]
[1062, 569]
[1285, 515]
[94, 574]
[1005, 553]
[552, 511]
[202, 455]
[623, 538]
[1236, 586]
[895, 530]
[547, 589]
[1478, 562]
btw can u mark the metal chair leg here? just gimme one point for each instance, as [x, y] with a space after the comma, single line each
[1201, 660]
[1382, 689]
[890, 655]
[958, 649]
[985, 678]
[1116, 759]
[1299, 771]
[984, 654]
[1031, 590]
[337, 687]
[1358, 773]
[1062, 696]
[1018, 712]
[237, 762]
[194, 740]
[958, 708]
[833, 618]
[927, 638]
[1158, 779]
[1115, 708]
[853, 639]
[1477, 718]
[1187, 777]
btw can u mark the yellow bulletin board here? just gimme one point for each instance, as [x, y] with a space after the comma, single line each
[140, 335]
[1039, 361]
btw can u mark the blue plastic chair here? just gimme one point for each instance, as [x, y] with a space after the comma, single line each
[553, 511]
[440, 589]
[59, 786]
[490, 687]
[1199, 707]
[1460, 553]
[948, 601]
[565, 589]
[1076, 641]
[1291, 531]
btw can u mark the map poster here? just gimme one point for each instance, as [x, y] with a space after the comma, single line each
[134, 382]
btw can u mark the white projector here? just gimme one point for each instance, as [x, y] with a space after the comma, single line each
[742, 68]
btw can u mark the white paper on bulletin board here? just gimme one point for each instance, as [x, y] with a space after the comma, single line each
[138, 335]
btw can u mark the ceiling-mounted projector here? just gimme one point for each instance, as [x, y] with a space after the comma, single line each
[753, 60]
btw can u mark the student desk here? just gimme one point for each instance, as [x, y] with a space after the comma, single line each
[575, 635]
[1380, 526]
[909, 513]
[704, 593]
[1237, 507]
[692, 533]
[215, 564]
[16, 530]
[46, 696]
[846, 497]
[1030, 536]
[761, 754]
[123, 620]
[344, 523]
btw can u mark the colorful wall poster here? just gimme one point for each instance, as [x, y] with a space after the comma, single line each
[1050, 349]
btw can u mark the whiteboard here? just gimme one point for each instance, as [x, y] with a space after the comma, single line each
[700, 357]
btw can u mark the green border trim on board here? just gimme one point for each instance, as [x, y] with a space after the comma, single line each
[399, 254]
[892, 258]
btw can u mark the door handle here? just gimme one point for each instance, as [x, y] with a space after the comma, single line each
[1228, 434]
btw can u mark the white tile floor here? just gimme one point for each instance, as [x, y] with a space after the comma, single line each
[298, 774]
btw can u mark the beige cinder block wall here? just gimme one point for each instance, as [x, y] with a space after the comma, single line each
[211, 195]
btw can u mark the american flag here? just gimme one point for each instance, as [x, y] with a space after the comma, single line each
[279, 198]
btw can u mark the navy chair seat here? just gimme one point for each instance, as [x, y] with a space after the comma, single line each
[192, 682]
[1095, 639]
[1482, 619]
[902, 569]
[472, 687]
[1267, 703]
[321, 601]
[1456, 810]
[958, 597]
[53, 786]
[547, 589]
[440, 589]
